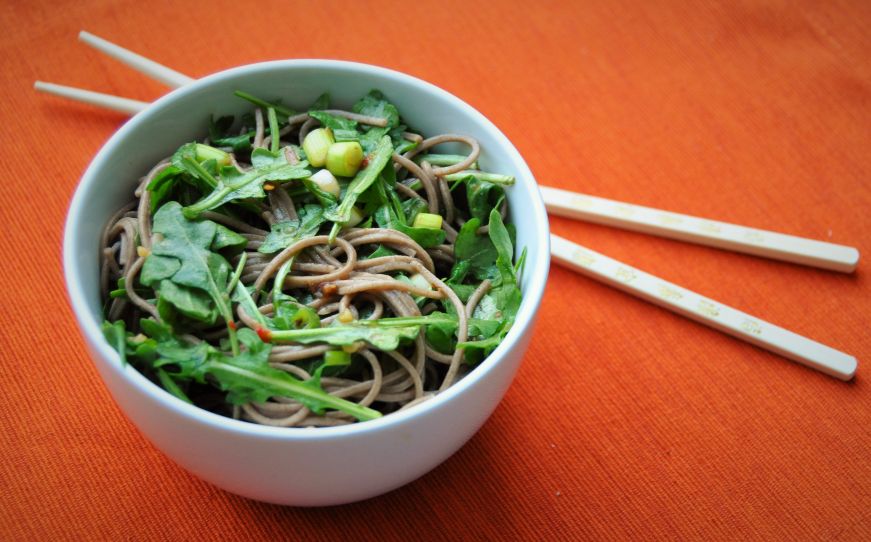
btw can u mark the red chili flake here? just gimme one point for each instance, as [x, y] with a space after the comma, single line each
[264, 334]
[232, 325]
[365, 162]
[329, 289]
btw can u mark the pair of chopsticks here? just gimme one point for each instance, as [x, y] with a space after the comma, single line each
[622, 215]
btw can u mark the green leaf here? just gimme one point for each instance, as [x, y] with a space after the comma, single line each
[364, 178]
[328, 202]
[380, 252]
[477, 250]
[170, 385]
[322, 102]
[382, 338]
[248, 377]
[285, 233]
[233, 184]
[375, 104]
[191, 302]
[425, 237]
[161, 185]
[180, 359]
[286, 111]
[289, 314]
[334, 122]
[225, 238]
[116, 335]
[476, 351]
[245, 377]
[504, 249]
[185, 159]
[181, 255]
[219, 135]
[120, 291]
[242, 295]
[482, 197]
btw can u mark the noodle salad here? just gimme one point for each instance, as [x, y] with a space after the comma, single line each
[314, 268]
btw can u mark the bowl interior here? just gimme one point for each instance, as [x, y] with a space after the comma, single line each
[183, 115]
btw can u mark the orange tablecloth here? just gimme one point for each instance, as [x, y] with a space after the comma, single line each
[625, 420]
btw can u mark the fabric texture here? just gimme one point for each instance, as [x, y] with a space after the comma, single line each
[625, 421]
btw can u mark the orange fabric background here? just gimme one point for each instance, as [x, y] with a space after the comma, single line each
[625, 421]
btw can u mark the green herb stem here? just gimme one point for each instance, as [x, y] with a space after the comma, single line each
[273, 129]
[444, 159]
[237, 274]
[285, 111]
[294, 389]
[494, 178]
[203, 173]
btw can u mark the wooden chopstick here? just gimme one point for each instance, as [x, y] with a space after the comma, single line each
[609, 271]
[702, 309]
[702, 231]
[107, 101]
[648, 220]
[146, 66]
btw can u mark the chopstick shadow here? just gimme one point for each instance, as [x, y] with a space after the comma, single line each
[73, 112]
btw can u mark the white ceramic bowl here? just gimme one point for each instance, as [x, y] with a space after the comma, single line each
[306, 467]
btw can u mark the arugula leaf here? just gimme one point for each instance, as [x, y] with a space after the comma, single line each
[327, 200]
[120, 291]
[334, 122]
[383, 334]
[242, 296]
[425, 237]
[289, 314]
[388, 211]
[364, 178]
[161, 185]
[370, 138]
[441, 334]
[382, 338]
[203, 175]
[380, 252]
[116, 335]
[482, 196]
[477, 250]
[233, 184]
[504, 250]
[375, 104]
[282, 110]
[182, 261]
[246, 376]
[476, 351]
[219, 135]
[192, 302]
[170, 385]
[322, 102]
[287, 232]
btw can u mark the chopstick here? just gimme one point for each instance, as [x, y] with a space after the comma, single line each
[648, 220]
[107, 101]
[702, 309]
[702, 231]
[609, 271]
[152, 69]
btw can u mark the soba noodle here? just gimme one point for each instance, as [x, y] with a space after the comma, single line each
[362, 274]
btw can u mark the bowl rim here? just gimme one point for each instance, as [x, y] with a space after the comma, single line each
[90, 329]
